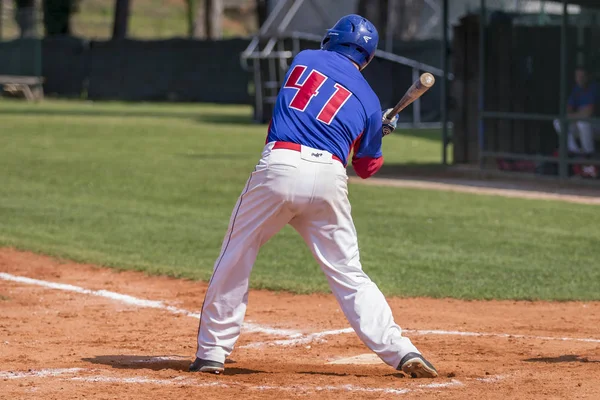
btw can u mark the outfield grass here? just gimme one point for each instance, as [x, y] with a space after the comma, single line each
[151, 187]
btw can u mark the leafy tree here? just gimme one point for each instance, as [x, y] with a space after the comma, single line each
[57, 16]
[25, 17]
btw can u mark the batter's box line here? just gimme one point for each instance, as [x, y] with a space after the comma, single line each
[294, 337]
[87, 375]
[320, 337]
[142, 303]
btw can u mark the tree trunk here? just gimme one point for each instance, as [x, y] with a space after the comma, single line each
[199, 29]
[190, 6]
[373, 10]
[408, 12]
[57, 17]
[262, 12]
[403, 20]
[1, 18]
[214, 19]
[121, 19]
[195, 18]
[25, 18]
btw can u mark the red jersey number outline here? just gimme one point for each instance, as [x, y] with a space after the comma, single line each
[309, 89]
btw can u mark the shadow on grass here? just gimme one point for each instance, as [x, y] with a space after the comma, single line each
[567, 358]
[434, 135]
[226, 119]
[210, 117]
[215, 156]
[92, 112]
[398, 170]
[201, 116]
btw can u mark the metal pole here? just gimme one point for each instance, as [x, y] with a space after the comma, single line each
[272, 16]
[389, 33]
[445, 67]
[562, 148]
[580, 44]
[417, 104]
[283, 26]
[258, 95]
[481, 136]
[38, 45]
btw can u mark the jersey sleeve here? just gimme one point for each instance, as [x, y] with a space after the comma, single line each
[368, 158]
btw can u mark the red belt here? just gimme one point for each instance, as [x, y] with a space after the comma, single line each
[297, 147]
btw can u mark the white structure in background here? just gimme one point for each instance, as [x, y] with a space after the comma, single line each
[278, 41]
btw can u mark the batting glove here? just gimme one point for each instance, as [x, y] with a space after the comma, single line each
[388, 126]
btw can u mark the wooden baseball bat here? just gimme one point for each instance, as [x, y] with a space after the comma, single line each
[420, 86]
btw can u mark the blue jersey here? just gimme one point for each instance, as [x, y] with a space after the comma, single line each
[327, 104]
[581, 97]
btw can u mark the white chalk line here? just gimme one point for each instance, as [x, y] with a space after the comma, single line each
[500, 335]
[491, 379]
[294, 337]
[81, 375]
[161, 359]
[182, 381]
[313, 337]
[319, 337]
[43, 373]
[134, 301]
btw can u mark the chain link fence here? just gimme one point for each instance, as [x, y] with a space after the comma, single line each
[21, 32]
[48, 44]
[526, 72]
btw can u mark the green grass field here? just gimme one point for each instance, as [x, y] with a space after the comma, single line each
[151, 187]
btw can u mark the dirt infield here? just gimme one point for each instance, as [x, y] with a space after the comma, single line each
[72, 331]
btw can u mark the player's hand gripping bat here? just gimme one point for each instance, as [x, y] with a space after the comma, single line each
[420, 86]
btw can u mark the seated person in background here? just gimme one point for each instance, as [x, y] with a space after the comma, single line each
[583, 102]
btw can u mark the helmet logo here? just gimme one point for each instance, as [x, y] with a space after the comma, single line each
[367, 38]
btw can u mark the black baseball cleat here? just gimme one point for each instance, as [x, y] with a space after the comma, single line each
[212, 367]
[416, 366]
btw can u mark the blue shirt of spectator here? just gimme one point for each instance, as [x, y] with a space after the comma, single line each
[582, 97]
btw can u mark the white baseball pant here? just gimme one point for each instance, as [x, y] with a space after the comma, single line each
[585, 131]
[307, 189]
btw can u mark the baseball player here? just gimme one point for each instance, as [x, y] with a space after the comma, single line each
[325, 110]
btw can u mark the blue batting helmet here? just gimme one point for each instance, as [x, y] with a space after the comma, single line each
[353, 36]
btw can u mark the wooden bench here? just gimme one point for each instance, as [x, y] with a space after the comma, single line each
[30, 86]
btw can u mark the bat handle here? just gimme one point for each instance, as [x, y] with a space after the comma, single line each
[386, 118]
[390, 114]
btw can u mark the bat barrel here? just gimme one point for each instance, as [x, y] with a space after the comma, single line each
[420, 86]
[427, 80]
